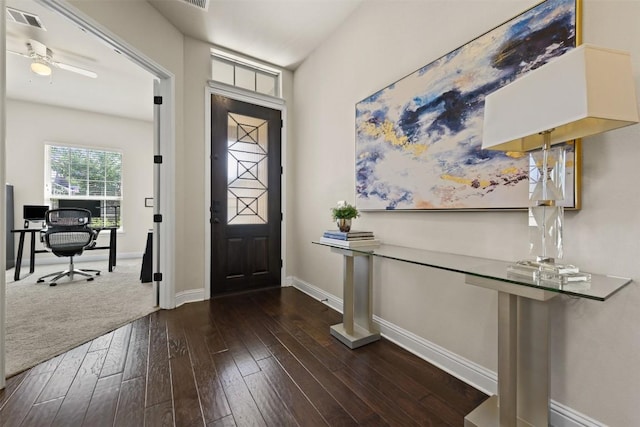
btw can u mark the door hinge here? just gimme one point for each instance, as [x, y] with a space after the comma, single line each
[157, 277]
[281, 216]
[281, 263]
[281, 124]
[281, 170]
[157, 100]
[157, 218]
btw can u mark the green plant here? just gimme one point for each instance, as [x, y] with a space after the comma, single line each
[344, 211]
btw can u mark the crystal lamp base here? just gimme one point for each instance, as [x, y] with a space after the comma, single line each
[561, 274]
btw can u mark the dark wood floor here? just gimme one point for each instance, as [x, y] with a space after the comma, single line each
[264, 358]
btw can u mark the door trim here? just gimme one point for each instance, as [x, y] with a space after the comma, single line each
[238, 94]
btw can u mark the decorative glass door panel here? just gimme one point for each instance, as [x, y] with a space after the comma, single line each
[247, 170]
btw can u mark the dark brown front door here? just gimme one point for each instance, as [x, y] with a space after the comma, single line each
[245, 196]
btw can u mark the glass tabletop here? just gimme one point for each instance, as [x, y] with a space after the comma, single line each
[599, 288]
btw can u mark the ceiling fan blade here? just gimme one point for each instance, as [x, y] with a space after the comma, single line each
[26, 55]
[74, 69]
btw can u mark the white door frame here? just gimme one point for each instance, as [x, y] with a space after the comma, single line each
[238, 94]
[166, 88]
[3, 203]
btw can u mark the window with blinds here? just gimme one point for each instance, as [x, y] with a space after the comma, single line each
[87, 178]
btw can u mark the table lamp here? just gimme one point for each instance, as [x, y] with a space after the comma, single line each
[586, 91]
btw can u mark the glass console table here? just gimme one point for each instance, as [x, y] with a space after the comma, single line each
[523, 322]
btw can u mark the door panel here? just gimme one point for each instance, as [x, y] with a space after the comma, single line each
[245, 194]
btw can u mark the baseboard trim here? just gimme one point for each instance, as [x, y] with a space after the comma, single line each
[473, 374]
[192, 295]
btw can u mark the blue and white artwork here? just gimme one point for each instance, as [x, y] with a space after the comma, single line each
[418, 140]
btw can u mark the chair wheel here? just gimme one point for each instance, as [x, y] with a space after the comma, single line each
[90, 279]
[52, 284]
[40, 281]
[98, 273]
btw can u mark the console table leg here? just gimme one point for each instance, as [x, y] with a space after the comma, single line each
[348, 295]
[533, 362]
[507, 358]
[523, 358]
[356, 329]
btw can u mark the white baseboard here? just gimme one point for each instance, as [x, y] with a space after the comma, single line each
[192, 295]
[473, 374]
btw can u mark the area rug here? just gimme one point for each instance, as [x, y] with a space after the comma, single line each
[44, 321]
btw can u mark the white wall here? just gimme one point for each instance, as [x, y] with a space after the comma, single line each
[30, 126]
[594, 345]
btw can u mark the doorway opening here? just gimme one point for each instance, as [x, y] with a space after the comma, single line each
[164, 147]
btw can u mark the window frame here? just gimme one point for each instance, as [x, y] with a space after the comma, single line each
[105, 201]
[246, 64]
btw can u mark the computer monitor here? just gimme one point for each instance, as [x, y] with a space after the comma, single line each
[33, 213]
[92, 206]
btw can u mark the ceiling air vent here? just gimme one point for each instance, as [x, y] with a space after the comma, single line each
[200, 4]
[24, 18]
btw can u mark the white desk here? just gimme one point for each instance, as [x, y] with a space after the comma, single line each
[523, 324]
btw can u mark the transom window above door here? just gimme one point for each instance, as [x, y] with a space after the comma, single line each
[244, 73]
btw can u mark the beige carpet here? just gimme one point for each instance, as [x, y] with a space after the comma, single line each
[44, 321]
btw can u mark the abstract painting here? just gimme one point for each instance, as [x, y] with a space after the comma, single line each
[418, 141]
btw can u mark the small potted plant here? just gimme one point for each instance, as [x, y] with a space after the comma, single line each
[343, 213]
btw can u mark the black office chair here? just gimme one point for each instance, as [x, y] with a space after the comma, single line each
[67, 234]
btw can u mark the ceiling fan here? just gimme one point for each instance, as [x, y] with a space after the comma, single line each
[42, 58]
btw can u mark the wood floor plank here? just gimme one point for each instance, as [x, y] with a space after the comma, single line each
[47, 366]
[159, 373]
[160, 415]
[136, 361]
[353, 404]
[230, 331]
[77, 399]
[274, 412]
[244, 409]
[42, 414]
[253, 344]
[21, 401]
[391, 402]
[175, 335]
[453, 391]
[102, 342]
[327, 406]
[130, 411]
[212, 398]
[117, 353]
[227, 421]
[64, 374]
[104, 401]
[12, 385]
[186, 401]
[293, 398]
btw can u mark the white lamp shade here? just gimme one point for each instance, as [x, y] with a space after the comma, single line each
[586, 91]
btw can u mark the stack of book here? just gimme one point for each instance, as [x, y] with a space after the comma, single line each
[349, 239]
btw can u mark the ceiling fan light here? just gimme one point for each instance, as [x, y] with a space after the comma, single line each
[41, 68]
